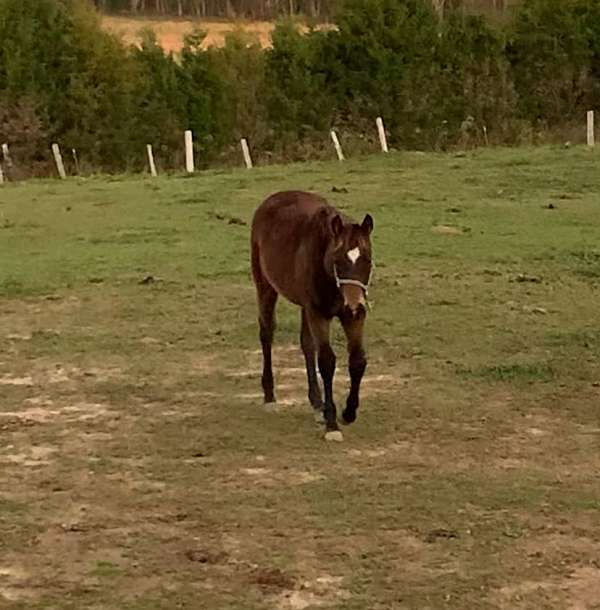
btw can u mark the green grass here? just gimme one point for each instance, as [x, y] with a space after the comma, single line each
[528, 373]
[138, 468]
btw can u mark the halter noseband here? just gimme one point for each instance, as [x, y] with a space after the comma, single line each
[339, 281]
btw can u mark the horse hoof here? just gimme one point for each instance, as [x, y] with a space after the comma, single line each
[270, 407]
[319, 417]
[334, 435]
[348, 418]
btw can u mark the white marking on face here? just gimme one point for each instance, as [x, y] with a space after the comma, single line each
[353, 254]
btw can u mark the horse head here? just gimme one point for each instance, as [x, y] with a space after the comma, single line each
[348, 260]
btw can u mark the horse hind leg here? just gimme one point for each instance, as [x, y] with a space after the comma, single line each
[267, 299]
[310, 357]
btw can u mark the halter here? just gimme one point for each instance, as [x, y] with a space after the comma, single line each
[339, 281]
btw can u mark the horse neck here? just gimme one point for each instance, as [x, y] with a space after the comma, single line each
[322, 266]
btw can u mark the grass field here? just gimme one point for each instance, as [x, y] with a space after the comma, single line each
[139, 469]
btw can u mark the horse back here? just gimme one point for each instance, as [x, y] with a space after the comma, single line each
[288, 242]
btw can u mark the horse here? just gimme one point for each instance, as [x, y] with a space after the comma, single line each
[310, 253]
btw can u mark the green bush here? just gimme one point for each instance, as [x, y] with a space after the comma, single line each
[207, 106]
[381, 62]
[241, 64]
[473, 89]
[55, 54]
[160, 105]
[297, 97]
[550, 54]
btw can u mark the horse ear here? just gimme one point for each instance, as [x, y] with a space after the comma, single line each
[367, 224]
[337, 225]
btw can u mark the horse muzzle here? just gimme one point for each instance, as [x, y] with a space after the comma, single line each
[354, 293]
[354, 299]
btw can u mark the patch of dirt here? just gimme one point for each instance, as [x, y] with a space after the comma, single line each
[252, 396]
[13, 583]
[19, 336]
[270, 476]
[370, 453]
[38, 415]
[579, 590]
[44, 411]
[10, 380]
[85, 410]
[554, 545]
[205, 363]
[324, 590]
[59, 374]
[35, 456]
[150, 341]
[204, 556]
[271, 578]
[510, 596]
[102, 374]
[584, 589]
[447, 230]
[411, 454]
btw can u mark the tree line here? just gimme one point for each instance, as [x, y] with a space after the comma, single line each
[269, 9]
[229, 9]
[438, 81]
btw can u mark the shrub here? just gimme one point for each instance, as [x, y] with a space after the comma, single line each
[550, 56]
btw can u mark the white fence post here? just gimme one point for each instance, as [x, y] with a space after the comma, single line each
[336, 143]
[151, 160]
[59, 162]
[381, 131]
[246, 153]
[75, 160]
[6, 156]
[189, 152]
[590, 128]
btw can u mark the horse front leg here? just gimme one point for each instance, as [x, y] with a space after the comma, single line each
[320, 328]
[357, 363]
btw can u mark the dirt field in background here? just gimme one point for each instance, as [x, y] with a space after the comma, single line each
[171, 32]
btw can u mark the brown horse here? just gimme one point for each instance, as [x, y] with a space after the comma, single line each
[305, 250]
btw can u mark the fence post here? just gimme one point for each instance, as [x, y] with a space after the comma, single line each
[336, 143]
[75, 160]
[246, 153]
[189, 152]
[590, 128]
[151, 160]
[1, 174]
[382, 138]
[59, 162]
[6, 156]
